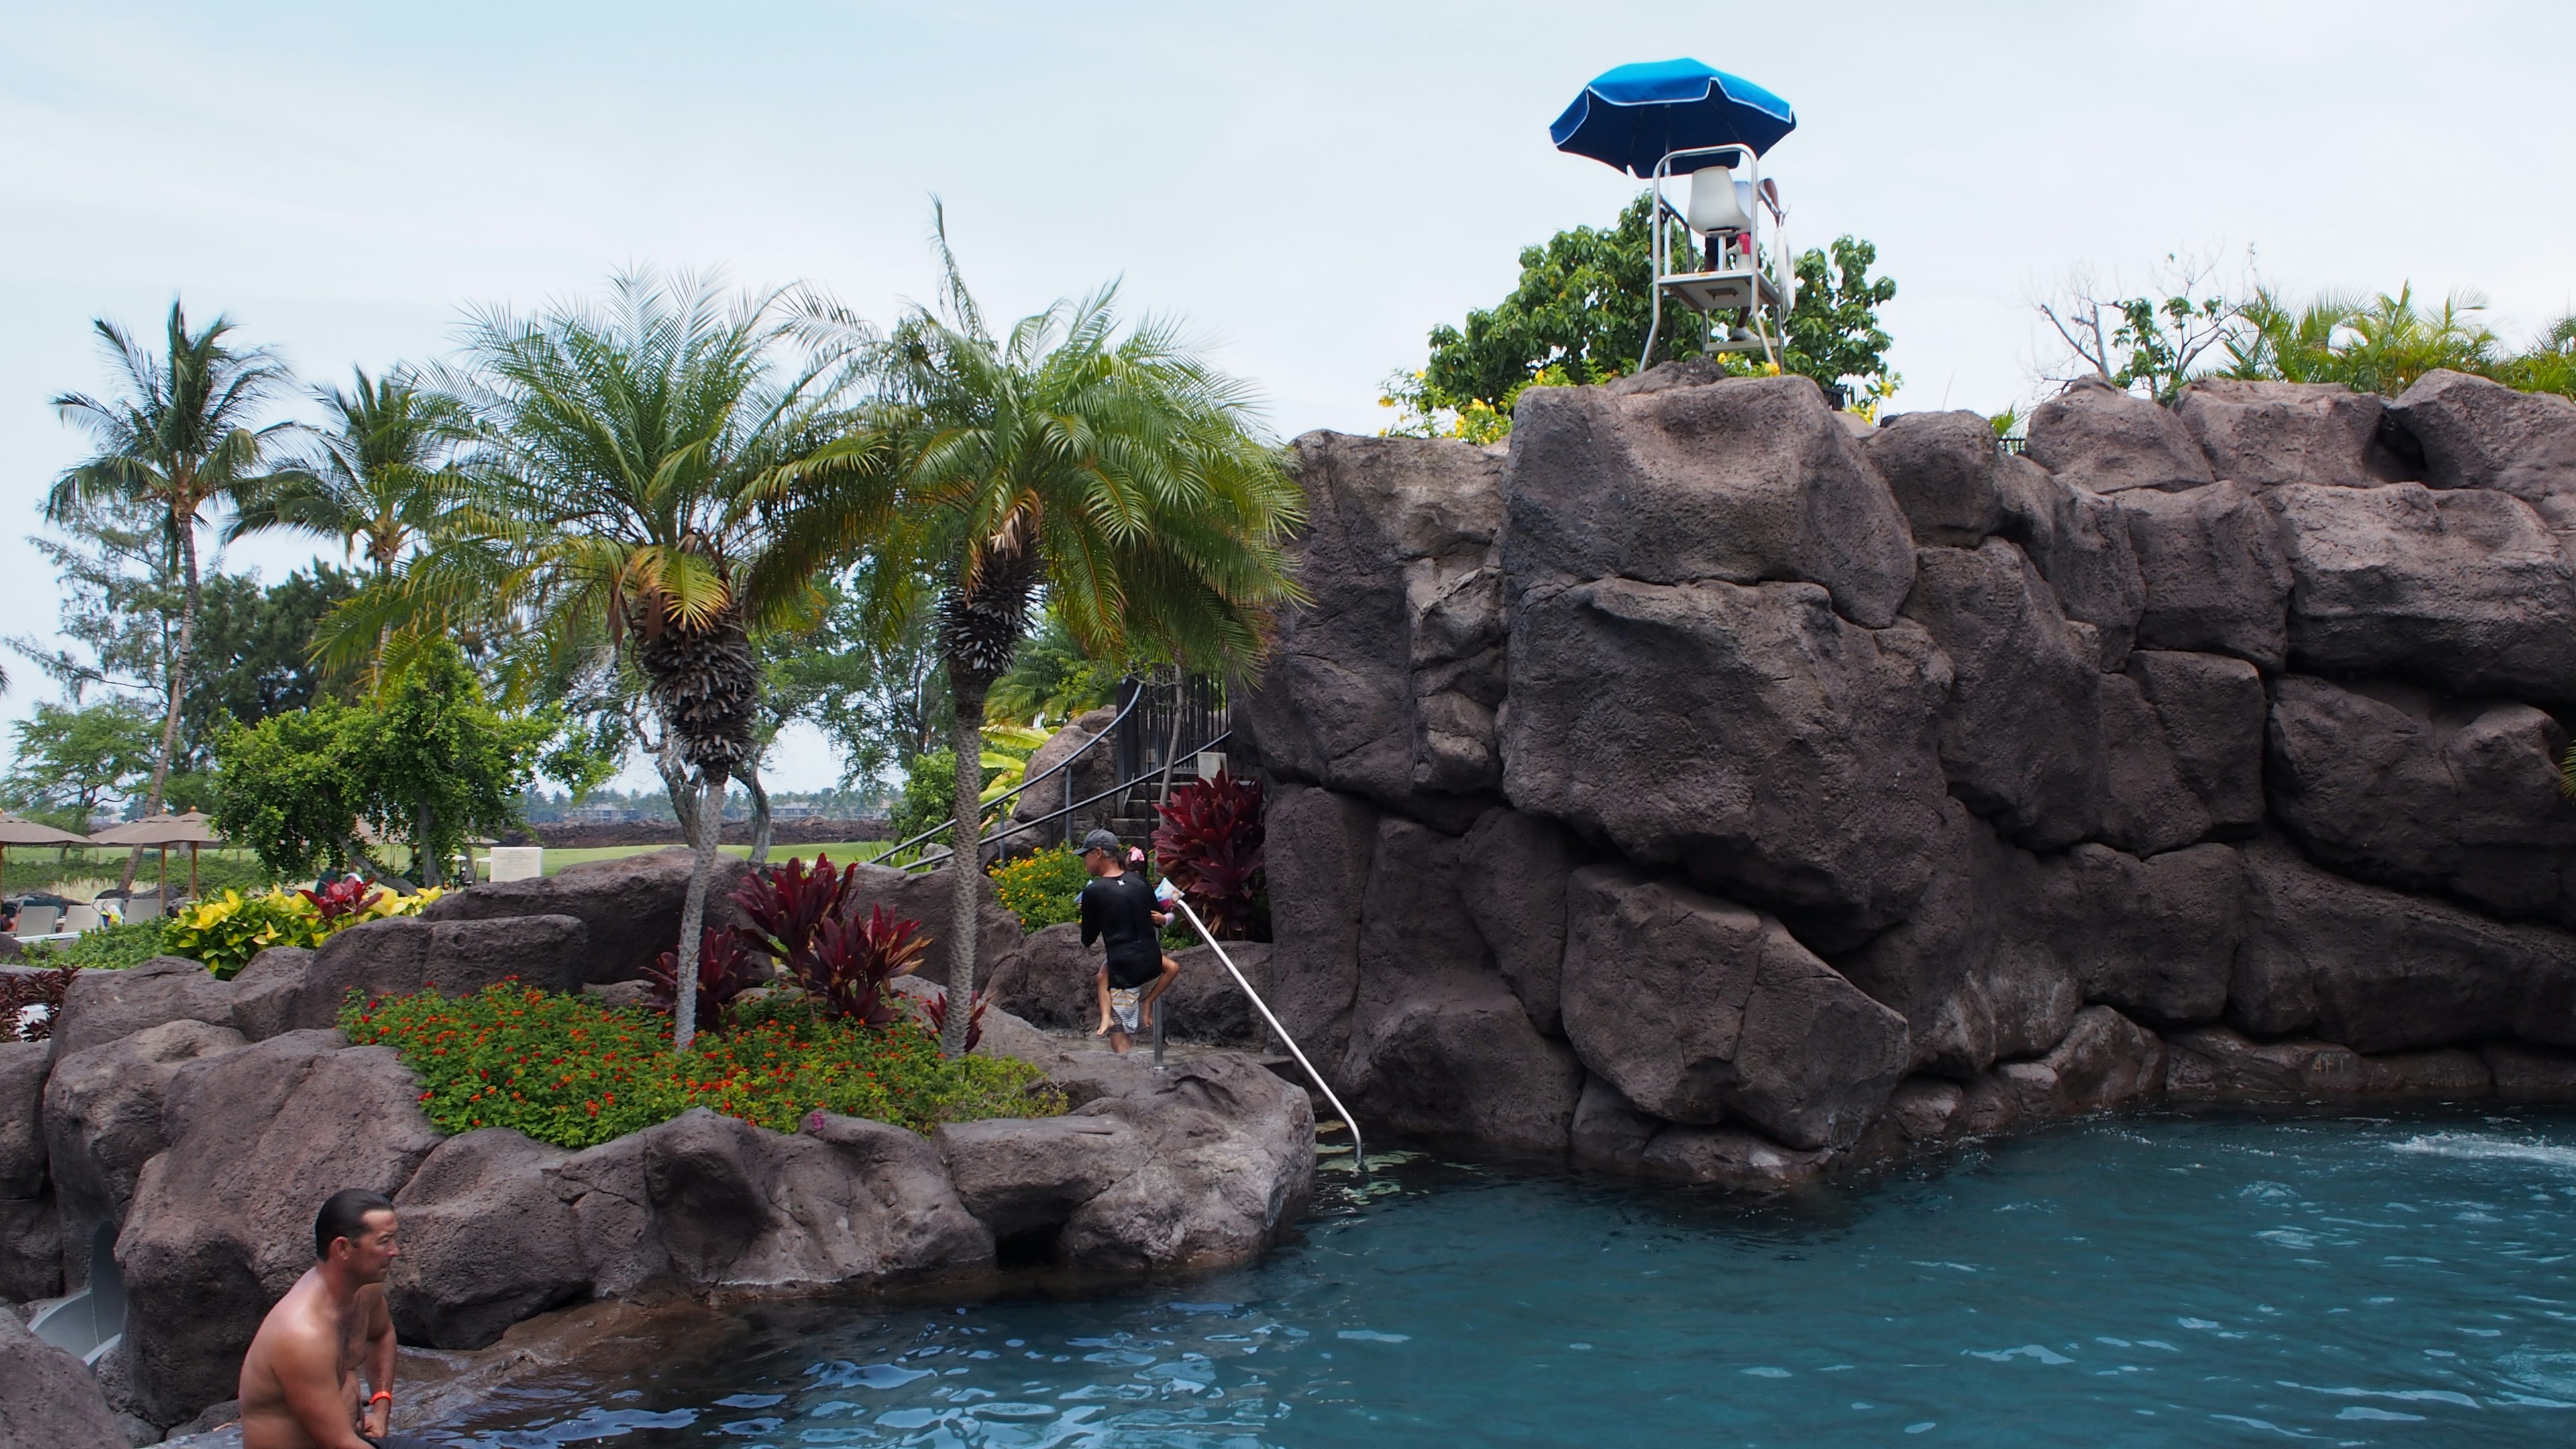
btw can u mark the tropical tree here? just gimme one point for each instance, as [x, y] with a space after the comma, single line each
[1116, 468]
[624, 511]
[376, 476]
[179, 438]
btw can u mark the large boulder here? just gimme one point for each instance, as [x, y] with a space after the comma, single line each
[1047, 979]
[285, 990]
[2380, 971]
[2155, 937]
[930, 897]
[1747, 481]
[2021, 736]
[104, 1005]
[1228, 1165]
[1317, 845]
[1730, 1158]
[485, 1241]
[1750, 734]
[2388, 783]
[1931, 969]
[1385, 683]
[1025, 1178]
[711, 1203]
[23, 1066]
[2096, 436]
[1203, 1003]
[2465, 590]
[47, 1399]
[1699, 1010]
[2210, 710]
[1439, 1044]
[2214, 575]
[2079, 541]
[31, 1249]
[222, 1221]
[2147, 805]
[2265, 434]
[102, 1120]
[2105, 1061]
[1942, 469]
[1512, 870]
[2478, 433]
[1094, 772]
[630, 906]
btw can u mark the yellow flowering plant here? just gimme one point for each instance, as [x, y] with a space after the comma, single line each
[226, 931]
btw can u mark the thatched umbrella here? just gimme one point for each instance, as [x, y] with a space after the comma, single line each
[163, 831]
[17, 830]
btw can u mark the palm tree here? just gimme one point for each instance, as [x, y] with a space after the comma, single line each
[1121, 471]
[622, 499]
[179, 438]
[376, 476]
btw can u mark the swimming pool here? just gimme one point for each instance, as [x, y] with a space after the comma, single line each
[2151, 1280]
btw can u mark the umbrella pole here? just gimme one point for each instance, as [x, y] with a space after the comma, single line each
[165, 877]
[192, 875]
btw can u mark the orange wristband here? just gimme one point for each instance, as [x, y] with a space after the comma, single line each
[381, 1396]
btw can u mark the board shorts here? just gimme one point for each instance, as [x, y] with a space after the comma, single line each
[1124, 1006]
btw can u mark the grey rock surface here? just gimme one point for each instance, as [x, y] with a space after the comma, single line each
[23, 1067]
[2095, 436]
[2477, 433]
[293, 990]
[2156, 937]
[1228, 1164]
[104, 1005]
[928, 897]
[2388, 783]
[1094, 771]
[1026, 1177]
[2465, 590]
[630, 906]
[1318, 845]
[2213, 572]
[31, 1249]
[2212, 710]
[2021, 732]
[1700, 1011]
[1512, 870]
[2079, 541]
[1730, 1157]
[1047, 979]
[1746, 481]
[485, 1241]
[2148, 806]
[222, 1220]
[47, 1399]
[102, 1119]
[1942, 469]
[1779, 753]
[2265, 434]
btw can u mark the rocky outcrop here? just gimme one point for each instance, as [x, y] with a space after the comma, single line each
[30, 1232]
[222, 1220]
[1864, 787]
[630, 907]
[1094, 772]
[102, 1006]
[292, 989]
[47, 1399]
[485, 1241]
[102, 1123]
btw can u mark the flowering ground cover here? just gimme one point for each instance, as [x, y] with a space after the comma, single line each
[567, 1070]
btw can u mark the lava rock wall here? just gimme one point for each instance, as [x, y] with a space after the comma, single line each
[1709, 785]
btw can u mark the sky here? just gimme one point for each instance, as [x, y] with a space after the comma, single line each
[1311, 187]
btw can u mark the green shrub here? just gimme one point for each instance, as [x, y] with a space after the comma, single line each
[1041, 889]
[102, 948]
[226, 931]
[567, 1070]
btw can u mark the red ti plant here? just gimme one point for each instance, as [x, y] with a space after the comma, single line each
[787, 905]
[725, 971]
[43, 989]
[937, 1006]
[342, 897]
[1209, 845]
[853, 960]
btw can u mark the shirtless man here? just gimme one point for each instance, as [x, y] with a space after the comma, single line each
[299, 1382]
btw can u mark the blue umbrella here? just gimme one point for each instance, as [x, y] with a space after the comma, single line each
[1633, 116]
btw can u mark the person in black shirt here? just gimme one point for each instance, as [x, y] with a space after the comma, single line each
[1117, 909]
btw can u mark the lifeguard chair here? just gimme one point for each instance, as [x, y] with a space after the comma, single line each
[1664, 120]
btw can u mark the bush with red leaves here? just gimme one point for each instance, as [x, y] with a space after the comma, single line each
[937, 1006]
[343, 897]
[20, 991]
[725, 971]
[787, 904]
[853, 960]
[1209, 845]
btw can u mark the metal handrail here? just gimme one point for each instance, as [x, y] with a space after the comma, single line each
[1359, 1154]
[1017, 826]
[1064, 764]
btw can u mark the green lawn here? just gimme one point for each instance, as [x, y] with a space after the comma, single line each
[842, 852]
[38, 867]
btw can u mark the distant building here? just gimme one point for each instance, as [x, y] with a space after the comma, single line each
[797, 811]
[597, 815]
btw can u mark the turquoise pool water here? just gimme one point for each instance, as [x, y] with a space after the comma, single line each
[2145, 1281]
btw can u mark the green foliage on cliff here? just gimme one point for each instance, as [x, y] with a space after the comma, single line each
[1580, 315]
[567, 1070]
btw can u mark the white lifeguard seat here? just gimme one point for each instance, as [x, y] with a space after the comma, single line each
[1746, 305]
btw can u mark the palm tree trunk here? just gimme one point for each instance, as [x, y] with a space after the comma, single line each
[683, 793]
[693, 914]
[759, 816]
[965, 858]
[184, 520]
